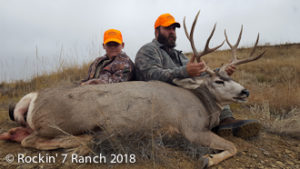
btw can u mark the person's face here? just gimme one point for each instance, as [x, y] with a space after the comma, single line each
[167, 35]
[113, 48]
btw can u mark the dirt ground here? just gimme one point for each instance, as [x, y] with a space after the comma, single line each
[265, 151]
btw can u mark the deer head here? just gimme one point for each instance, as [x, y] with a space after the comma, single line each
[217, 82]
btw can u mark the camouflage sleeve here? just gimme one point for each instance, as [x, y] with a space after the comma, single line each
[124, 72]
[149, 66]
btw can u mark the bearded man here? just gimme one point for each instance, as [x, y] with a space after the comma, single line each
[158, 60]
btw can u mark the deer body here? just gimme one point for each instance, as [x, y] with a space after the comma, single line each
[122, 106]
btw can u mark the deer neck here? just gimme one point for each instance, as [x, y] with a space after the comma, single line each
[209, 100]
[210, 103]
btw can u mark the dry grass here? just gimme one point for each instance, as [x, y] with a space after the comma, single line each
[159, 146]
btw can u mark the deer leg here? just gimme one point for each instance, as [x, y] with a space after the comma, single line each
[66, 141]
[16, 134]
[219, 143]
[211, 140]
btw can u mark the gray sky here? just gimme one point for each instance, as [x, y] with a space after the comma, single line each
[38, 35]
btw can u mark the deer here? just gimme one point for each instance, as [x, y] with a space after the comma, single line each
[50, 118]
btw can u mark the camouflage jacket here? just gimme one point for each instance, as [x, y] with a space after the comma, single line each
[154, 62]
[119, 69]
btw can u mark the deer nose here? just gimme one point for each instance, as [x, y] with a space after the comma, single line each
[245, 92]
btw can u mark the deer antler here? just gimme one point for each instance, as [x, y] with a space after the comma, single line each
[206, 50]
[237, 61]
[190, 37]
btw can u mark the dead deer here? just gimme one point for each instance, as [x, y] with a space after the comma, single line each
[50, 117]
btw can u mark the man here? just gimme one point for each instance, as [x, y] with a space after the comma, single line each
[115, 66]
[158, 60]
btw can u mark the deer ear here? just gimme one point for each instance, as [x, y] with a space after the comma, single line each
[188, 83]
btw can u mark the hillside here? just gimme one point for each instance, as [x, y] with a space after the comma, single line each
[274, 85]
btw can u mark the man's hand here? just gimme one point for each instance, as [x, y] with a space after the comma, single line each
[195, 69]
[230, 69]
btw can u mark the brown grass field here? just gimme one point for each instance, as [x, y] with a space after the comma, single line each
[274, 85]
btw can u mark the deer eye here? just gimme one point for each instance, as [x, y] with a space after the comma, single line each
[219, 82]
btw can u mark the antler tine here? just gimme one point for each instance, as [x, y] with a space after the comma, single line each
[250, 59]
[234, 47]
[254, 48]
[191, 36]
[208, 50]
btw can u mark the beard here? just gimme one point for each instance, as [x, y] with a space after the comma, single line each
[169, 41]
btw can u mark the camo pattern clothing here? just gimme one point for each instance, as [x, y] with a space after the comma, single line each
[118, 69]
[156, 62]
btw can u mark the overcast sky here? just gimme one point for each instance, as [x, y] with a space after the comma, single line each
[38, 35]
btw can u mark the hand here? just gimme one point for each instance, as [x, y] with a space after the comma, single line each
[195, 69]
[230, 69]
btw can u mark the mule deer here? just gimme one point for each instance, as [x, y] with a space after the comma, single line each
[192, 109]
